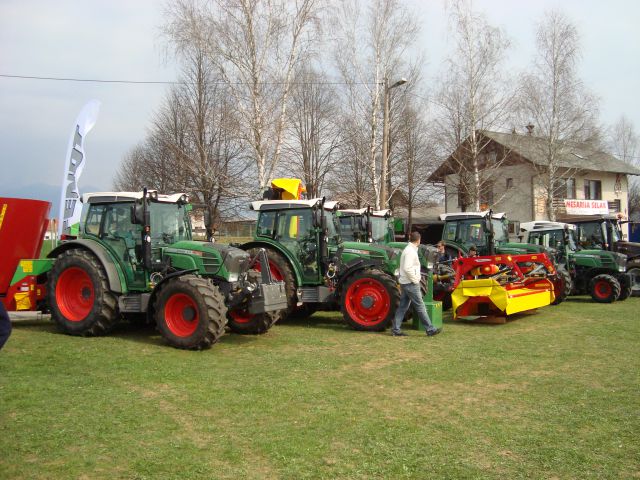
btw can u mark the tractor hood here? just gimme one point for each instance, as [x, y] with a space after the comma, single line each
[601, 259]
[630, 249]
[209, 258]
[519, 248]
[374, 250]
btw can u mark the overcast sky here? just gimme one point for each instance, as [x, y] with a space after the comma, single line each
[118, 40]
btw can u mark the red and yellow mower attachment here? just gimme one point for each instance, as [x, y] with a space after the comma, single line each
[491, 288]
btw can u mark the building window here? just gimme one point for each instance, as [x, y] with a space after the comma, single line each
[614, 206]
[564, 188]
[592, 189]
[509, 183]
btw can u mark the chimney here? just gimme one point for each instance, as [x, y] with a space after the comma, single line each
[530, 129]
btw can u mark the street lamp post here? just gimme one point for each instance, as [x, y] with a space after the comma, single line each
[385, 140]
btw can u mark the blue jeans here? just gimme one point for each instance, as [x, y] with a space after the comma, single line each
[411, 295]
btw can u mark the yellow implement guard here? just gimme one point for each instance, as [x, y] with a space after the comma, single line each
[475, 298]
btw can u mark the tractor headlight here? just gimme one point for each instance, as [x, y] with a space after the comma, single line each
[233, 277]
[396, 272]
[622, 268]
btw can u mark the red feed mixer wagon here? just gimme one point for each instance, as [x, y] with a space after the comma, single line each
[23, 224]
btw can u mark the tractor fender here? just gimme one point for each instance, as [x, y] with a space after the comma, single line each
[115, 276]
[295, 265]
[353, 266]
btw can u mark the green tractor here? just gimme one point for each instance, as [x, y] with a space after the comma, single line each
[599, 273]
[303, 242]
[135, 258]
[604, 232]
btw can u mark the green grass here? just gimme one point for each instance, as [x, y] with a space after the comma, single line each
[551, 395]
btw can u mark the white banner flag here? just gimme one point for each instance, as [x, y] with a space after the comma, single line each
[70, 207]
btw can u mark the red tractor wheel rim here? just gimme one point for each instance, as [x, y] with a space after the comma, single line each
[367, 302]
[241, 316]
[276, 274]
[181, 315]
[74, 294]
[603, 289]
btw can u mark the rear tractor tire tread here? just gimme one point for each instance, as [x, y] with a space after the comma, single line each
[613, 288]
[103, 315]
[567, 286]
[211, 309]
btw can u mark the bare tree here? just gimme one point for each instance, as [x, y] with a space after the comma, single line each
[310, 148]
[474, 96]
[414, 145]
[554, 100]
[371, 47]
[255, 46]
[193, 145]
[624, 143]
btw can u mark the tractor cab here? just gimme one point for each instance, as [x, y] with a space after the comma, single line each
[114, 220]
[484, 230]
[561, 238]
[303, 228]
[367, 225]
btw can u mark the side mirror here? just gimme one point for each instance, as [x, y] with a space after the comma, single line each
[139, 216]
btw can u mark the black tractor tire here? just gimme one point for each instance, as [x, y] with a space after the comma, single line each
[633, 269]
[564, 286]
[282, 271]
[604, 288]
[244, 323]
[625, 286]
[79, 296]
[369, 300]
[190, 312]
[304, 311]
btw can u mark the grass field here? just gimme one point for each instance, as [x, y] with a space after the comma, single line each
[551, 395]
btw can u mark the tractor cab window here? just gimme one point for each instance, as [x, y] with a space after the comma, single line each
[591, 235]
[450, 229]
[266, 224]
[615, 232]
[500, 230]
[297, 234]
[471, 232]
[93, 219]
[123, 239]
[333, 227]
[381, 230]
[550, 239]
[347, 228]
[169, 223]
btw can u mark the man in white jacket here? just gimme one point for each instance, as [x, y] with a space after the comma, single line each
[410, 286]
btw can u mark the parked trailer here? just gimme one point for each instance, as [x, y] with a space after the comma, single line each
[23, 223]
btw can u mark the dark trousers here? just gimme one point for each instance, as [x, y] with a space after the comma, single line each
[5, 325]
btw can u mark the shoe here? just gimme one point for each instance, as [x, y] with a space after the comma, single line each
[399, 334]
[431, 333]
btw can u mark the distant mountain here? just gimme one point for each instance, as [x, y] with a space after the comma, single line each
[41, 191]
